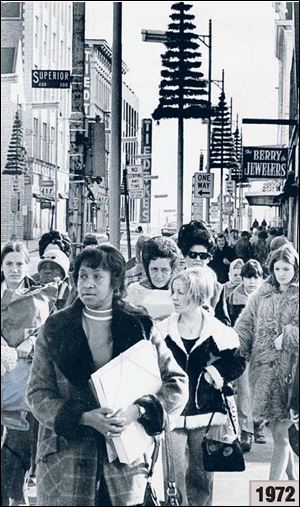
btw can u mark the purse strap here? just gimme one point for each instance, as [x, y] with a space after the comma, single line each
[171, 488]
[154, 456]
[229, 413]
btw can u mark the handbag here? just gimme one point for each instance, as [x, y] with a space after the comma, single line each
[220, 456]
[150, 496]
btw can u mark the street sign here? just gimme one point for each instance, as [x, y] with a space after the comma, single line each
[204, 185]
[136, 193]
[229, 186]
[50, 78]
[265, 162]
[47, 188]
[161, 195]
[134, 170]
[135, 183]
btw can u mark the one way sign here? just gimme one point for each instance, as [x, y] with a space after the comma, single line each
[204, 185]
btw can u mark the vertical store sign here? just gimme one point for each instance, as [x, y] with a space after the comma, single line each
[87, 83]
[146, 150]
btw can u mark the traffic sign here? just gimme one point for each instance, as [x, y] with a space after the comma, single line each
[229, 186]
[136, 193]
[14, 204]
[204, 185]
[135, 183]
[134, 170]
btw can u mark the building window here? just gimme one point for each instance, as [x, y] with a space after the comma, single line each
[45, 39]
[45, 142]
[54, 47]
[35, 139]
[62, 49]
[11, 10]
[36, 33]
[52, 145]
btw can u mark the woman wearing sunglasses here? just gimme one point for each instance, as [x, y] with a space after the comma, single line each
[197, 244]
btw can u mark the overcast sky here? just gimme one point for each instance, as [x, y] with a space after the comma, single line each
[243, 45]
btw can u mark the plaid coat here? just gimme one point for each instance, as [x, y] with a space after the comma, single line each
[71, 459]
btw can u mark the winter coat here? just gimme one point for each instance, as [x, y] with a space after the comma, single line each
[237, 302]
[267, 314]
[216, 351]
[221, 269]
[243, 249]
[70, 457]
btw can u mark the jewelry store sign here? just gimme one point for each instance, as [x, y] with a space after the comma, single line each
[265, 162]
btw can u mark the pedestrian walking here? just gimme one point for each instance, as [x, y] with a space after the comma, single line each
[243, 248]
[234, 277]
[223, 255]
[196, 243]
[268, 328]
[252, 279]
[209, 352]
[18, 450]
[73, 467]
[260, 251]
[136, 273]
[160, 257]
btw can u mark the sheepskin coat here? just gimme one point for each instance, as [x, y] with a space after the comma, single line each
[71, 458]
[267, 314]
[216, 351]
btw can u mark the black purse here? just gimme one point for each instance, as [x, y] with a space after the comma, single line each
[220, 456]
[150, 497]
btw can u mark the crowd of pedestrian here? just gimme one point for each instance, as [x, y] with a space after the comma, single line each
[222, 313]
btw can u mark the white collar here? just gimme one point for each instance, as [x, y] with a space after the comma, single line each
[225, 337]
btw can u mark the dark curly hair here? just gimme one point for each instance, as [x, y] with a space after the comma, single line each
[159, 246]
[56, 238]
[194, 233]
[106, 257]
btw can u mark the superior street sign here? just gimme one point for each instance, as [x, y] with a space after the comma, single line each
[204, 185]
[265, 162]
[50, 78]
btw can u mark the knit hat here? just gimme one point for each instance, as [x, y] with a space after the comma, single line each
[56, 256]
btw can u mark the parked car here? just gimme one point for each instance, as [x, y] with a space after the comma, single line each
[169, 229]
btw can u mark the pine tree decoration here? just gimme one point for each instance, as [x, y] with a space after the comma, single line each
[236, 173]
[182, 86]
[16, 154]
[223, 154]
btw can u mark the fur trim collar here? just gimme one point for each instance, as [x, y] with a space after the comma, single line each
[68, 343]
[224, 337]
[267, 289]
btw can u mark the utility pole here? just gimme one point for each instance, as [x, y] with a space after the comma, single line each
[116, 127]
[77, 125]
[222, 162]
[209, 118]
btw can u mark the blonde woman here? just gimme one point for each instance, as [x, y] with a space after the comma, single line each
[208, 351]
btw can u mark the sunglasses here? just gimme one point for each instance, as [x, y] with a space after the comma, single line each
[202, 255]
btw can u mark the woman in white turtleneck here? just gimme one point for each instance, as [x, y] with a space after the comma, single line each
[73, 344]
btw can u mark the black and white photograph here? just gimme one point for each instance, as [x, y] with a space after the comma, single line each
[149, 253]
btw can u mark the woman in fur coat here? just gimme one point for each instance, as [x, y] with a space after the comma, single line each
[268, 328]
[75, 465]
[209, 352]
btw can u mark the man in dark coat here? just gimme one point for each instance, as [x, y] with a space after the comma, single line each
[222, 257]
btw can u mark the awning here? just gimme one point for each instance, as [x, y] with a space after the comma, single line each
[263, 198]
